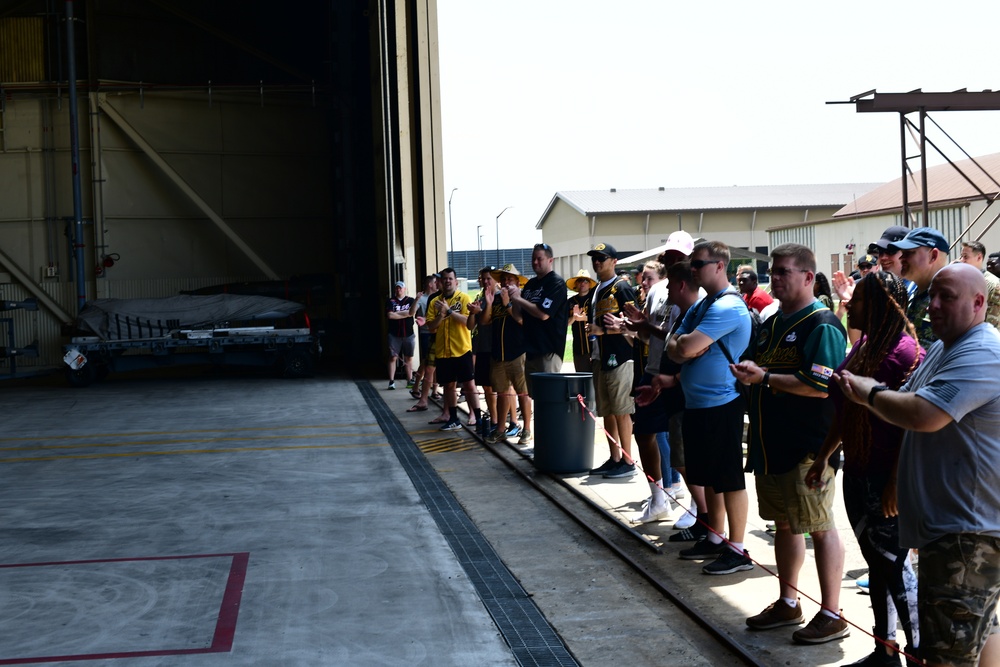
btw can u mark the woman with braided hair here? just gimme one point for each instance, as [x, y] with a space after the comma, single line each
[887, 350]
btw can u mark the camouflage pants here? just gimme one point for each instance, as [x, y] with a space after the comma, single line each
[959, 582]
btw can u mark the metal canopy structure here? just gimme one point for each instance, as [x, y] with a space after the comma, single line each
[919, 102]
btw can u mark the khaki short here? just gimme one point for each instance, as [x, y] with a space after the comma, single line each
[546, 363]
[958, 587]
[503, 374]
[786, 497]
[613, 389]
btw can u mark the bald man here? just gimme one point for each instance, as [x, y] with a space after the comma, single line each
[948, 496]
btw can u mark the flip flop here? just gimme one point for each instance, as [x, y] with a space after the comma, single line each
[416, 408]
[438, 421]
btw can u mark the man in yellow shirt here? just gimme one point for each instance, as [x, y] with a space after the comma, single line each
[448, 318]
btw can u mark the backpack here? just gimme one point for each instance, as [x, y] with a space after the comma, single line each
[755, 324]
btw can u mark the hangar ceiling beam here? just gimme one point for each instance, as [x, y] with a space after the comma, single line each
[188, 191]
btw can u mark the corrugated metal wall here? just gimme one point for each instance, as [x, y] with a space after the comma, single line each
[22, 53]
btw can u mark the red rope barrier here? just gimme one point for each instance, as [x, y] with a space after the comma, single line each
[628, 459]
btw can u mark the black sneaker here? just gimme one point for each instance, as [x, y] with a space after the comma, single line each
[696, 532]
[728, 562]
[620, 470]
[703, 550]
[603, 468]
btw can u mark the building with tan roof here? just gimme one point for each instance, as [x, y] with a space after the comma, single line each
[960, 205]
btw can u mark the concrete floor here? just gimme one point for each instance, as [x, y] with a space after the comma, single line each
[221, 520]
[202, 519]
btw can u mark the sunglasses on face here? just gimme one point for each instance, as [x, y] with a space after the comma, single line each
[783, 271]
[699, 263]
[597, 259]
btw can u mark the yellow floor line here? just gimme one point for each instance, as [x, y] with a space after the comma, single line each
[35, 459]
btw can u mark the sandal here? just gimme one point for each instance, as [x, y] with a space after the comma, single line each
[416, 408]
[438, 421]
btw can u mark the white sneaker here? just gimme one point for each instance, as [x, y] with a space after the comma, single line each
[652, 513]
[687, 519]
[677, 491]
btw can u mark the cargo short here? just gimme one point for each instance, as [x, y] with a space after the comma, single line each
[786, 497]
[958, 586]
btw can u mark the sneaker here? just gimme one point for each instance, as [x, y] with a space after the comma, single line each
[525, 438]
[729, 562]
[778, 614]
[620, 470]
[603, 468]
[453, 425]
[513, 431]
[677, 491]
[409, 384]
[692, 534]
[392, 385]
[653, 512]
[687, 519]
[495, 436]
[822, 629]
[862, 583]
[703, 550]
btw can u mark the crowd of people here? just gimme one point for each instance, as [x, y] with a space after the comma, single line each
[891, 381]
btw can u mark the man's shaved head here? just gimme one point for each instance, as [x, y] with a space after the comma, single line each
[958, 301]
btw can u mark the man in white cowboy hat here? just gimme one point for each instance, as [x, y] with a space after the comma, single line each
[579, 308]
[543, 305]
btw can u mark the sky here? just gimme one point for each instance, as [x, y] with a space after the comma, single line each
[542, 96]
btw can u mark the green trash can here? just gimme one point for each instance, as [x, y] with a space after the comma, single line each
[564, 431]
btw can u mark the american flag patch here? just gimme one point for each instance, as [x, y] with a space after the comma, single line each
[822, 371]
[946, 391]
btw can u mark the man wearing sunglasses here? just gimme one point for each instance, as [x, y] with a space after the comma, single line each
[613, 371]
[798, 349]
[713, 416]
[923, 252]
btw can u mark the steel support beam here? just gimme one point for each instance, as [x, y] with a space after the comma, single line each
[959, 100]
[188, 191]
[26, 282]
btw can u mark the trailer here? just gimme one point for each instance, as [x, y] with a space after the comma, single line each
[125, 335]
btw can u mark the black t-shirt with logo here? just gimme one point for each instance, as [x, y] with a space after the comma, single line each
[400, 328]
[546, 336]
[616, 349]
[581, 346]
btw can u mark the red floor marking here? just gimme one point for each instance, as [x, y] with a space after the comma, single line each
[225, 627]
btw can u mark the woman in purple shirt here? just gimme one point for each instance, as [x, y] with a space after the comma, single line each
[888, 350]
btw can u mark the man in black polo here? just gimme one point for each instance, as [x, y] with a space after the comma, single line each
[542, 304]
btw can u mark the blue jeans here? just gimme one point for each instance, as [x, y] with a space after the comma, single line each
[669, 475]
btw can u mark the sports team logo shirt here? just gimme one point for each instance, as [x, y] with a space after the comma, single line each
[453, 338]
[546, 336]
[785, 428]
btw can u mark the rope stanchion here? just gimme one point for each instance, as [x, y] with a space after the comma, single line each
[584, 410]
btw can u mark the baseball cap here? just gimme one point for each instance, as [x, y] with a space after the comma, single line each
[400, 283]
[922, 237]
[890, 235]
[867, 259]
[680, 241]
[604, 249]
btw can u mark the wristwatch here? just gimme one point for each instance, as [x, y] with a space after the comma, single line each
[766, 379]
[874, 391]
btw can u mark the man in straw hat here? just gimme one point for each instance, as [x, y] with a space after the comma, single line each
[507, 367]
[579, 308]
[543, 305]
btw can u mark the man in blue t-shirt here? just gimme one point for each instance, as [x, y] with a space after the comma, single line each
[713, 417]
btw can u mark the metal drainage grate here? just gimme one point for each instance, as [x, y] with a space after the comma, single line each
[531, 639]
